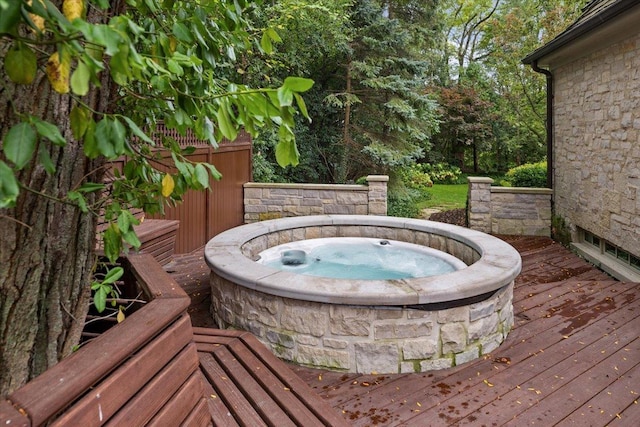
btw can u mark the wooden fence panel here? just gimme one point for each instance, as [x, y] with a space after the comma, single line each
[203, 214]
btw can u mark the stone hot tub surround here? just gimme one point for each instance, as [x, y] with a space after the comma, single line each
[384, 326]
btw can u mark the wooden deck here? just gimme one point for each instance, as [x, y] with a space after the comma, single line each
[573, 357]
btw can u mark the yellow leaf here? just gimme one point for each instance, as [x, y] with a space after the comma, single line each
[58, 73]
[73, 9]
[120, 316]
[167, 185]
[38, 20]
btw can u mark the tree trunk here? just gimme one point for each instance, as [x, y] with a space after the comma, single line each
[475, 157]
[343, 168]
[47, 246]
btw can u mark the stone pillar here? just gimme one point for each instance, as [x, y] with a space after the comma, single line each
[377, 194]
[479, 204]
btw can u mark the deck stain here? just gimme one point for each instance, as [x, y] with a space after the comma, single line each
[444, 388]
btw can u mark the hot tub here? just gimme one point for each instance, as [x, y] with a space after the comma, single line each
[384, 326]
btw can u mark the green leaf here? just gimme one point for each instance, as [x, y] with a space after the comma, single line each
[90, 187]
[112, 242]
[273, 35]
[287, 152]
[110, 138]
[100, 299]
[20, 64]
[103, 139]
[285, 96]
[20, 144]
[90, 146]
[104, 4]
[102, 35]
[76, 197]
[206, 130]
[9, 188]
[265, 43]
[182, 32]
[269, 36]
[9, 16]
[80, 79]
[187, 151]
[120, 68]
[213, 171]
[301, 105]
[49, 131]
[124, 221]
[112, 275]
[202, 176]
[174, 67]
[132, 238]
[231, 53]
[45, 159]
[298, 84]
[119, 135]
[137, 131]
[225, 123]
[80, 118]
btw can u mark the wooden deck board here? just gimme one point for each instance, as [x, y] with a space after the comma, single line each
[573, 357]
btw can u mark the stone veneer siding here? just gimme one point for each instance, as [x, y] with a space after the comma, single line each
[508, 210]
[365, 339]
[597, 144]
[274, 200]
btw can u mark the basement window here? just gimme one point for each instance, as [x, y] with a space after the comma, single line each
[591, 238]
[612, 250]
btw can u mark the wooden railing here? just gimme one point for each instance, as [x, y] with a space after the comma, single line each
[151, 370]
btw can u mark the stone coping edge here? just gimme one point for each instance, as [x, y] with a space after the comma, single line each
[498, 266]
[522, 190]
[341, 187]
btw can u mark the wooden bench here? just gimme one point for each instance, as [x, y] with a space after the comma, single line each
[157, 237]
[152, 370]
[248, 386]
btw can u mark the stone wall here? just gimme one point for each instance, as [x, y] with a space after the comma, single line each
[367, 338]
[273, 200]
[597, 144]
[508, 210]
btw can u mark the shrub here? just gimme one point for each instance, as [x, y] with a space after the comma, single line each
[416, 179]
[441, 173]
[405, 204]
[529, 175]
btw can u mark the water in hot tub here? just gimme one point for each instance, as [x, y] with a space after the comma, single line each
[359, 258]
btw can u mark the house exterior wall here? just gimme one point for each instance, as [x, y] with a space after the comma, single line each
[597, 144]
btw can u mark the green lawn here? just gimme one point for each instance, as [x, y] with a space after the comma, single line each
[446, 197]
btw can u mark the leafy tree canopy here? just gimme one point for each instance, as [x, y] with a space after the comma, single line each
[172, 61]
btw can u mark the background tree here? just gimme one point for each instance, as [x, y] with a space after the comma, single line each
[313, 36]
[84, 83]
[483, 44]
[465, 127]
[370, 112]
[519, 27]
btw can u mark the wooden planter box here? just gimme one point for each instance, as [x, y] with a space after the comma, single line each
[148, 362]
